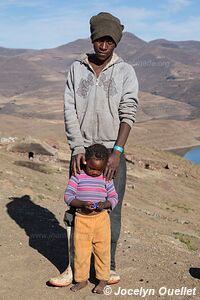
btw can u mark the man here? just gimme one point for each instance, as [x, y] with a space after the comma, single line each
[100, 106]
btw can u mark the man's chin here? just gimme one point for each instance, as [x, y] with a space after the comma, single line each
[102, 57]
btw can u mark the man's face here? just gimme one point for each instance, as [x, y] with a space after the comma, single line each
[104, 47]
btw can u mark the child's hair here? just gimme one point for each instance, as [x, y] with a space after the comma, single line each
[97, 151]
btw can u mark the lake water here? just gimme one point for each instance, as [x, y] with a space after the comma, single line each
[193, 155]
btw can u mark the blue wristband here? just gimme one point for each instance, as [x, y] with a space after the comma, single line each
[118, 148]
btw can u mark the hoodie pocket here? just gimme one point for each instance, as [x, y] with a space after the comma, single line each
[108, 126]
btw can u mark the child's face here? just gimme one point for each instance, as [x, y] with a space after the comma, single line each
[95, 167]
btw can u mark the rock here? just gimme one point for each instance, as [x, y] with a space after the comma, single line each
[6, 140]
[131, 186]
[63, 156]
[32, 145]
[9, 172]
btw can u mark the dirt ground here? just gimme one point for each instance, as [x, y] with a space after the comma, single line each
[158, 250]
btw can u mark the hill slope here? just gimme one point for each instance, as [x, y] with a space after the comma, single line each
[165, 68]
[159, 238]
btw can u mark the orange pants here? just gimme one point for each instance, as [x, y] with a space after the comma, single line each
[92, 234]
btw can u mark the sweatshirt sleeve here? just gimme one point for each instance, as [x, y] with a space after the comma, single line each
[72, 126]
[71, 190]
[129, 101]
[112, 195]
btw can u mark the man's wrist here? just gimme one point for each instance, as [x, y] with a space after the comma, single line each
[118, 148]
[78, 150]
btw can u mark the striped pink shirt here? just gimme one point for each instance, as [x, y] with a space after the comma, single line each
[87, 188]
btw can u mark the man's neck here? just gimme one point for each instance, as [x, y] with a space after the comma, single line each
[94, 60]
[98, 65]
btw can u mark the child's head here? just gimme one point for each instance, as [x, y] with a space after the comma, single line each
[96, 157]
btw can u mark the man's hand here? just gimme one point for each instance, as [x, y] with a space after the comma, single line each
[114, 159]
[112, 165]
[77, 160]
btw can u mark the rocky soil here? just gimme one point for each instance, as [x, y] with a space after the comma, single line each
[160, 237]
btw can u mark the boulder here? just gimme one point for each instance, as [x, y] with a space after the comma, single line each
[32, 145]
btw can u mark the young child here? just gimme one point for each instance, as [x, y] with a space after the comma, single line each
[93, 197]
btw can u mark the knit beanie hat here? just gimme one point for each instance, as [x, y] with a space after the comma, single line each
[105, 24]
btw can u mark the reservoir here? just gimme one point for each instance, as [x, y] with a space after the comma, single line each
[193, 155]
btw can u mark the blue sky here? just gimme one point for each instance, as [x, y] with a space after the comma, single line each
[50, 23]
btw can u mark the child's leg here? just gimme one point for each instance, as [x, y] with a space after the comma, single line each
[100, 287]
[101, 245]
[82, 251]
[78, 286]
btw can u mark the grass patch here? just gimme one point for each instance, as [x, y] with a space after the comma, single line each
[189, 240]
[40, 167]
[183, 207]
[41, 197]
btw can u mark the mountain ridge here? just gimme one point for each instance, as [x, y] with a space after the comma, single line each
[165, 68]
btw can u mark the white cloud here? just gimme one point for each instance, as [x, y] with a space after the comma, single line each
[45, 31]
[178, 31]
[174, 6]
[135, 20]
[159, 23]
[55, 24]
[19, 3]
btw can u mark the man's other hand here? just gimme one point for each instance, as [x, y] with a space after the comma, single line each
[112, 165]
[77, 160]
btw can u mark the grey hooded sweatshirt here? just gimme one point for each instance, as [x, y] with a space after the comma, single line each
[95, 106]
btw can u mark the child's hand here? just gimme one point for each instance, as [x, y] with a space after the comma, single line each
[87, 206]
[101, 206]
